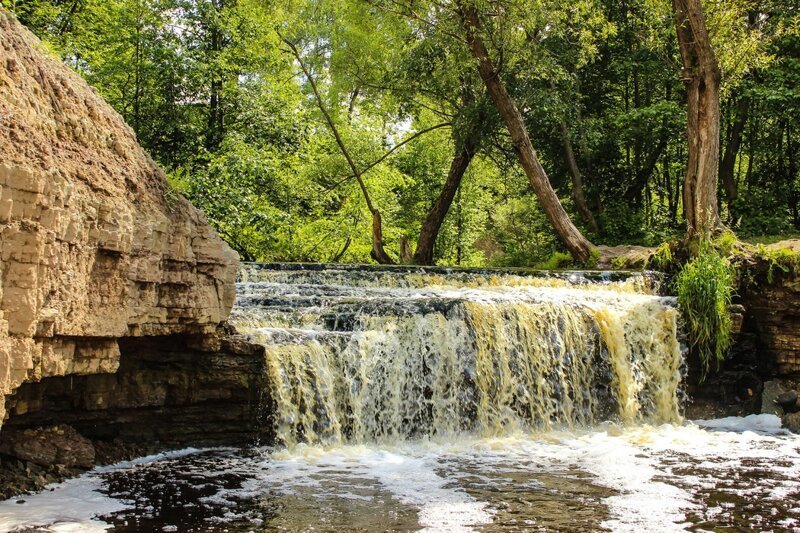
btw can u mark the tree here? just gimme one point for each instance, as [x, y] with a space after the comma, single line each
[573, 239]
[702, 77]
[378, 253]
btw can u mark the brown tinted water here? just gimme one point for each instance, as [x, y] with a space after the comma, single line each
[666, 478]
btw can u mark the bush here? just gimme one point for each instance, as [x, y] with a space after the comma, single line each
[705, 287]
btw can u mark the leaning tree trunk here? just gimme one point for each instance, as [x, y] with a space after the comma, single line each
[433, 222]
[701, 75]
[378, 253]
[573, 239]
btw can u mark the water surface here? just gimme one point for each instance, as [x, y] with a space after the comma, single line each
[745, 475]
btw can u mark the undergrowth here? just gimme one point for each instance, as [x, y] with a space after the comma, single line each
[662, 258]
[557, 261]
[562, 260]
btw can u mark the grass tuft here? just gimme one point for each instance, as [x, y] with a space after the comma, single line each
[705, 288]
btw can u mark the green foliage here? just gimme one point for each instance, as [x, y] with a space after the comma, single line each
[762, 213]
[726, 243]
[662, 258]
[705, 286]
[211, 93]
[521, 234]
[594, 258]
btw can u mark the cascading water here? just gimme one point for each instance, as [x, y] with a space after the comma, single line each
[366, 355]
[406, 399]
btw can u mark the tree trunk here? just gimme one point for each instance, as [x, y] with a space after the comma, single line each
[791, 175]
[701, 75]
[433, 222]
[378, 253]
[576, 243]
[577, 180]
[643, 172]
[727, 167]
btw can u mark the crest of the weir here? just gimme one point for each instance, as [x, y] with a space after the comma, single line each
[359, 354]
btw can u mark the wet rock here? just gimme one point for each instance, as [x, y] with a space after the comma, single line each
[47, 447]
[167, 392]
[791, 422]
[772, 389]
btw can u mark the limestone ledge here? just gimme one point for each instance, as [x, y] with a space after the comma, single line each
[94, 244]
[97, 271]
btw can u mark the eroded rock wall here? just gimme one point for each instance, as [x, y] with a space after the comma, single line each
[773, 313]
[94, 245]
[169, 391]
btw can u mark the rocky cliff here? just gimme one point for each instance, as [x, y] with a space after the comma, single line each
[94, 245]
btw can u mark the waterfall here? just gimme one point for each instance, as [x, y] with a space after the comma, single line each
[374, 354]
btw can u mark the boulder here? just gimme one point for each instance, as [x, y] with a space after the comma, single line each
[95, 245]
[788, 401]
[50, 446]
[791, 422]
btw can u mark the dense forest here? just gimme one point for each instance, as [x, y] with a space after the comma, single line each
[453, 131]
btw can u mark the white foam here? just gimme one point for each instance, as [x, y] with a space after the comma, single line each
[74, 504]
[71, 506]
[763, 423]
[406, 471]
[644, 466]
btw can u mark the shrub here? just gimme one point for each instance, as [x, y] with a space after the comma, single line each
[557, 261]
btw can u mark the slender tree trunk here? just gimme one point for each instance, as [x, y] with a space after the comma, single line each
[672, 193]
[644, 171]
[576, 243]
[433, 222]
[459, 229]
[378, 253]
[215, 112]
[751, 155]
[577, 180]
[701, 75]
[791, 176]
[727, 168]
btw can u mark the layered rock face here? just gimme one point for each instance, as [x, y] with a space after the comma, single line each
[94, 245]
[773, 312]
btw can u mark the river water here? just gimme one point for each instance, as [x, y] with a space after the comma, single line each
[404, 399]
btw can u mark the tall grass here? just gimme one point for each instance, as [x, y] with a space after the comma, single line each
[705, 287]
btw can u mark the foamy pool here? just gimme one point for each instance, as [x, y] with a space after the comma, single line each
[736, 473]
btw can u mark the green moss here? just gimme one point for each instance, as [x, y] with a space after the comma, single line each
[784, 259]
[705, 286]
